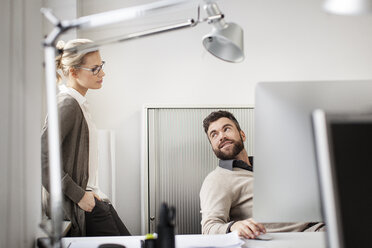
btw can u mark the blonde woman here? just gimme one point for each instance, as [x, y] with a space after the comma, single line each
[88, 209]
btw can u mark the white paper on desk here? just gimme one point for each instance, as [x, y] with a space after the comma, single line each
[131, 243]
[229, 240]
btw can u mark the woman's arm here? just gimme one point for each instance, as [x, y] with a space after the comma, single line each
[68, 108]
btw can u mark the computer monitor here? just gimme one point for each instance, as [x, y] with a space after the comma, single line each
[343, 148]
[286, 186]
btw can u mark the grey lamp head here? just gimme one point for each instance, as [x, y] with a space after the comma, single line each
[226, 39]
[348, 7]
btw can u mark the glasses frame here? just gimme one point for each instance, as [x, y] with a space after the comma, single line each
[95, 70]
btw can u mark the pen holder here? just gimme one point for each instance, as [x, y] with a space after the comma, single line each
[150, 243]
[166, 227]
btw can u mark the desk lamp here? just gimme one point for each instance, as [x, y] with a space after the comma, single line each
[225, 42]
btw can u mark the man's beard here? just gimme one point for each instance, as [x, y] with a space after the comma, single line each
[238, 146]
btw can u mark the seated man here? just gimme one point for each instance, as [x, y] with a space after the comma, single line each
[226, 196]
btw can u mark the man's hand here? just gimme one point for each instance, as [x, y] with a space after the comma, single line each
[87, 203]
[248, 228]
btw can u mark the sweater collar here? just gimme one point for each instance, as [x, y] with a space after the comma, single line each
[231, 163]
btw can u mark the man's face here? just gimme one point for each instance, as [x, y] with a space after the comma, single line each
[226, 140]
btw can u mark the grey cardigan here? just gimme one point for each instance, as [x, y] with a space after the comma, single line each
[74, 140]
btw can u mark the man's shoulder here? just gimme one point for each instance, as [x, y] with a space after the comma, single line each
[225, 177]
[217, 172]
[216, 176]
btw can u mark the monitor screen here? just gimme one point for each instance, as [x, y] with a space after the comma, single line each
[286, 187]
[343, 144]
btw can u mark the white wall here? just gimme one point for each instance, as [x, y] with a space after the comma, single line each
[284, 40]
[63, 10]
[20, 111]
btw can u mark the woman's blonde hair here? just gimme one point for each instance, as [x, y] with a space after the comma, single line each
[68, 58]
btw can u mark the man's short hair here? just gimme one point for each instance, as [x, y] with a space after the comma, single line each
[214, 116]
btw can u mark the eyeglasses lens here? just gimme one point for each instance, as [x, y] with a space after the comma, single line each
[98, 69]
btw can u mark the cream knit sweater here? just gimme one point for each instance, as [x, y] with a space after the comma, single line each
[227, 196]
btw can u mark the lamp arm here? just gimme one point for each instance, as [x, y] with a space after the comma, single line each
[120, 15]
[140, 34]
[53, 141]
[175, 26]
[215, 15]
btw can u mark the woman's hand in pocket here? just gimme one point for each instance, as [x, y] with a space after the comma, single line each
[87, 203]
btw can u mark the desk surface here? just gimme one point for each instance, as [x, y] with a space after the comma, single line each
[280, 240]
[291, 239]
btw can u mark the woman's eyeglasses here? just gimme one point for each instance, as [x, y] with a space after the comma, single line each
[94, 70]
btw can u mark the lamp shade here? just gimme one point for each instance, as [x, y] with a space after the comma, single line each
[226, 42]
[348, 7]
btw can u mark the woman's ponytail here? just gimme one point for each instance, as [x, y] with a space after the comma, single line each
[59, 66]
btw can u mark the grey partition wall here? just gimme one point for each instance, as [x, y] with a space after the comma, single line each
[179, 157]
